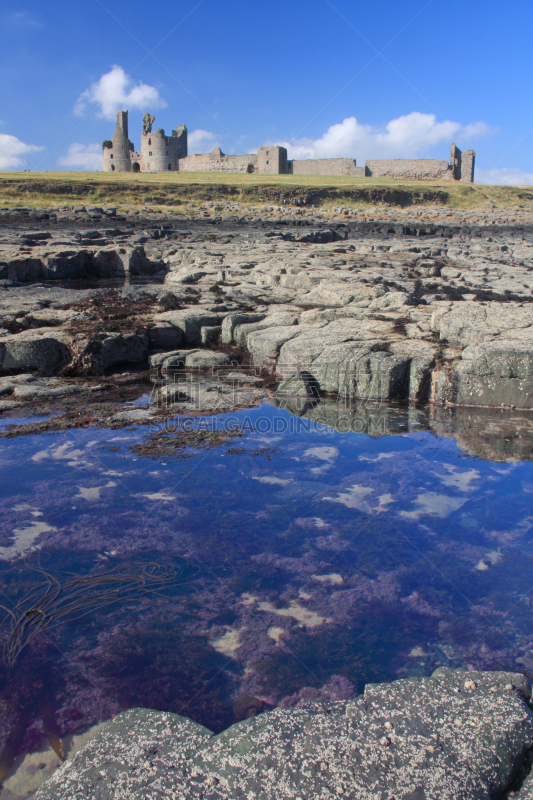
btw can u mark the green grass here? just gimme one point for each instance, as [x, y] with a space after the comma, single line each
[38, 189]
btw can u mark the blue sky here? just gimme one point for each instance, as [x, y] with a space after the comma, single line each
[325, 77]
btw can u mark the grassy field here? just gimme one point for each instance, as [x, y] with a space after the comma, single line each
[46, 189]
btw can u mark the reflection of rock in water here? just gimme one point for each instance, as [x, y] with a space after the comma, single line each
[502, 435]
[493, 435]
[374, 419]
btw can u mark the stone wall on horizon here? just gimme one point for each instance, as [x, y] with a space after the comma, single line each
[416, 169]
[327, 166]
[217, 161]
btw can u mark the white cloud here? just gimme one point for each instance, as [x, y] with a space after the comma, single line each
[114, 91]
[409, 136]
[504, 177]
[82, 156]
[12, 151]
[202, 140]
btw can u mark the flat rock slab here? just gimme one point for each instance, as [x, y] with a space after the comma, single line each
[454, 736]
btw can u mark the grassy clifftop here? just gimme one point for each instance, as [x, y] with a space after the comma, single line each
[174, 189]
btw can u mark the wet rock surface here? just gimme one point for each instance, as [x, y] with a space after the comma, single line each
[430, 305]
[454, 736]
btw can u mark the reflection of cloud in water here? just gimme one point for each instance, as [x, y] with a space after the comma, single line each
[354, 497]
[25, 537]
[303, 615]
[437, 505]
[333, 578]
[506, 537]
[325, 454]
[379, 457]
[273, 480]
[93, 492]
[61, 452]
[493, 557]
[159, 496]
[310, 522]
[322, 453]
[459, 480]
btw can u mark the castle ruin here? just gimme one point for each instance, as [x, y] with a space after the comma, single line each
[161, 153]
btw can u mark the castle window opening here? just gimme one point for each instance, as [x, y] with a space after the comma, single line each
[111, 155]
[268, 162]
[149, 141]
[150, 153]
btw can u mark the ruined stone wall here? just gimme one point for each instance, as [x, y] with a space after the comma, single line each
[418, 169]
[328, 166]
[456, 161]
[218, 162]
[116, 151]
[180, 142]
[467, 167]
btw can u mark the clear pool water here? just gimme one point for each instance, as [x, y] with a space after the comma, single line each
[305, 562]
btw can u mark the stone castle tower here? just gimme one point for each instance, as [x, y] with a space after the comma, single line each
[117, 150]
[159, 153]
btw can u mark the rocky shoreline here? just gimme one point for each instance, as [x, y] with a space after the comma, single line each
[430, 305]
[453, 736]
[332, 315]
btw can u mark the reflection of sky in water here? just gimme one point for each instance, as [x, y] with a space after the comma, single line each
[320, 554]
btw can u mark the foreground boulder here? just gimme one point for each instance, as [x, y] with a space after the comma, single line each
[105, 350]
[454, 736]
[44, 350]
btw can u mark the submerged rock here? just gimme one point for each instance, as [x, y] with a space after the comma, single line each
[454, 736]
